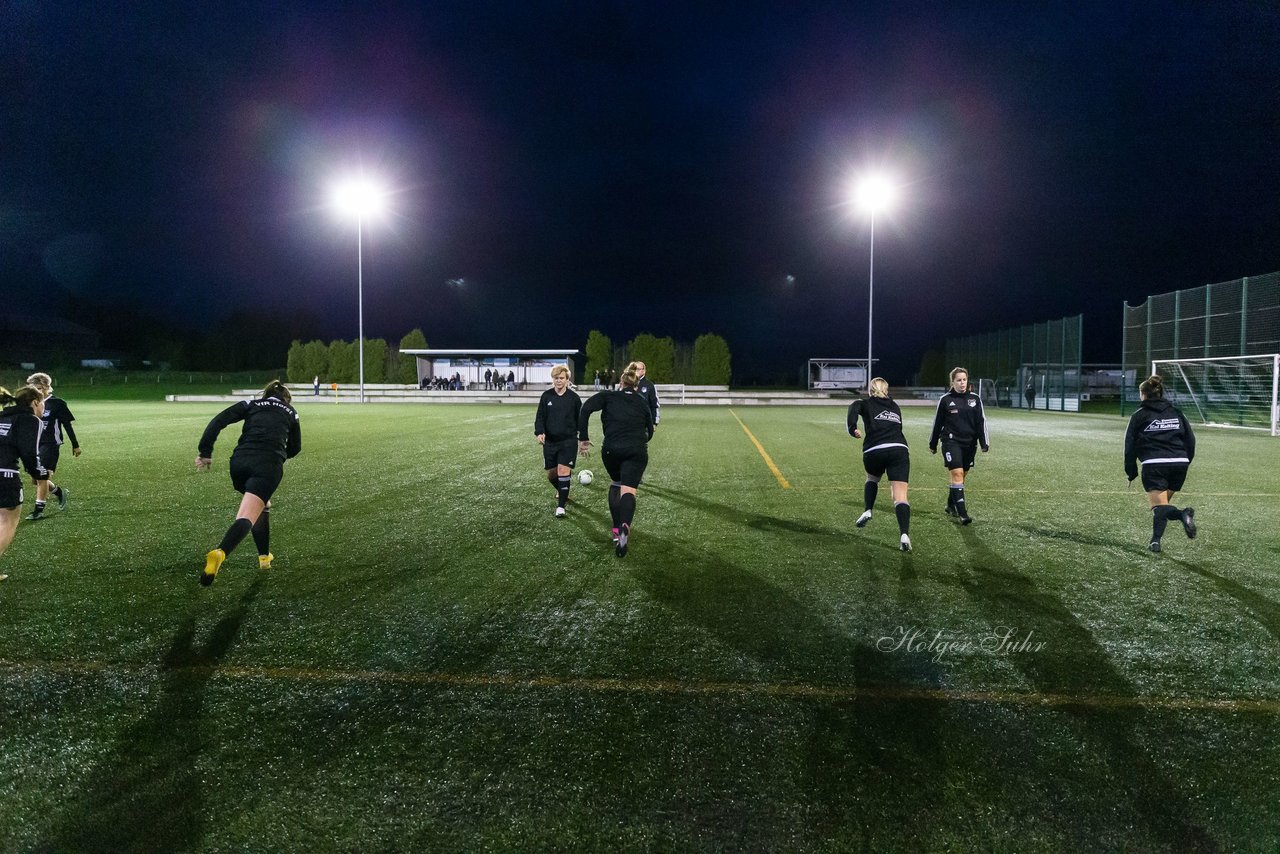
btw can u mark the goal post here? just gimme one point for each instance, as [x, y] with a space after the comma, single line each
[1236, 391]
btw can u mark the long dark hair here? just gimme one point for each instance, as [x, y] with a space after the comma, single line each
[278, 390]
[1152, 387]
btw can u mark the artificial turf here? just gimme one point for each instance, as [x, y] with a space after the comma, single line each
[434, 661]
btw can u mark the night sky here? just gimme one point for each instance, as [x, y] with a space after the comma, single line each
[673, 168]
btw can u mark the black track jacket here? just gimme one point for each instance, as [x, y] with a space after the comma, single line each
[883, 421]
[1158, 433]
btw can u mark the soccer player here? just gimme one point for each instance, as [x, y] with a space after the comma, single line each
[628, 426]
[961, 426]
[57, 422]
[556, 427]
[646, 388]
[883, 451]
[1159, 436]
[20, 428]
[270, 436]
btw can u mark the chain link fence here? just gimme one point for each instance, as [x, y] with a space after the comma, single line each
[1036, 366]
[1227, 319]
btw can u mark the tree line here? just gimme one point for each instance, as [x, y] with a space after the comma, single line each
[706, 362]
[339, 361]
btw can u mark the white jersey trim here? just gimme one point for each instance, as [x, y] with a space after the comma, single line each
[885, 445]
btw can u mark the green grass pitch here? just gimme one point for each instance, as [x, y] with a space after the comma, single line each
[435, 662]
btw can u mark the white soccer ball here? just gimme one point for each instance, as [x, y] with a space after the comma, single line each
[585, 476]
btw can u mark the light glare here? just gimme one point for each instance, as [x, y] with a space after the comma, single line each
[875, 194]
[359, 197]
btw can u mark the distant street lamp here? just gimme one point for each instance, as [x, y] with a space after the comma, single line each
[875, 193]
[361, 198]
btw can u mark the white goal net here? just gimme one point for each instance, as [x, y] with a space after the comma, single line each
[1239, 391]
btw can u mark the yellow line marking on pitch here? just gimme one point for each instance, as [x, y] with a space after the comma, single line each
[800, 691]
[782, 481]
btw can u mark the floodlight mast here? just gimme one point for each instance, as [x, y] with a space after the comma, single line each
[360, 198]
[875, 193]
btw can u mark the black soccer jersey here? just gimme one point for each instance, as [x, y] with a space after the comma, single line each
[1158, 433]
[624, 415]
[649, 392]
[20, 431]
[57, 420]
[270, 429]
[883, 421]
[959, 419]
[557, 415]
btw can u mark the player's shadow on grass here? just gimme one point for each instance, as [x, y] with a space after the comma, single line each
[887, 748]
[146, 794]
[1265, 611]
[737, 515]
[1137, 547]
[1074, 663]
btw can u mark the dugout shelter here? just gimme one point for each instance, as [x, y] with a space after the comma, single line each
[531, 367]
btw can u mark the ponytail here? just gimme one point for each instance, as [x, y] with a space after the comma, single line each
[1152, 387]
[26, 396]
[278, 390]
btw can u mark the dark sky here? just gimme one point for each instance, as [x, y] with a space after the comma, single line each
[641, 167]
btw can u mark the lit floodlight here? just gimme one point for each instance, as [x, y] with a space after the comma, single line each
[359, 197]
[875, 194]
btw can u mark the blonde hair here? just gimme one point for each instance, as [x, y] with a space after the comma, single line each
[958, 370]
[278, 390]
[630, 375]
[40, 380]
[879, 388]
[25, 396]
[561, 371]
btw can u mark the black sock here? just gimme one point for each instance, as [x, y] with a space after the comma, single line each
[626, 509]
[903, 512]
[57, 491]
[615, 493]
[957, 498]
[563, 489]
[1160, 516]
[40, 506]
[239, 528]
[551, 479]
[869, 490]
[262, 532]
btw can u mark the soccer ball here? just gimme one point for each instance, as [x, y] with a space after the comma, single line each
[585, 476]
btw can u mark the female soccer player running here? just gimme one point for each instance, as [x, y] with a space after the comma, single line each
[57, 420]
[961, 426]
[1160, 438]
[628, 426]
[556, 427]
[270, 436]
[883, 451]
[19, 439]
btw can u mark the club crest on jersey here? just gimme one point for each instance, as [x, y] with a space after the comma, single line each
[887, 415]
[1163, 424]
[972, 403]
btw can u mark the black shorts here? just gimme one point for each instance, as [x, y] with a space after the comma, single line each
[895, 461]
[562, 453]
[48, 455]
[958, 456]
[625, 465]
[1164, 476]
[10, 491]
[256, 476]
